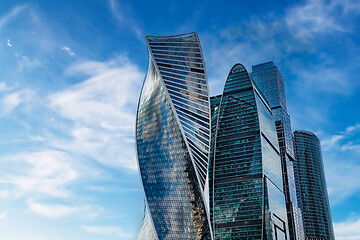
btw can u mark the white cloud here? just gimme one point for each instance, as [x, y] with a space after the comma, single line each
[351, 146]
[328, 143]
[339, 151]
[349, 140]
[3, 86]
[68, 50]
[13, 13]
[9, 43]
[26, 63]
[324, 79]
[12, 100]
[107, 230]
[121, 13]
[316, 16]
[3, 214]
[353, 129]
[46, 172]
[102, 109]
[265, 38]
[340, 179]
[348, 5]
[57, 210]
[4, 194]
[100, 144]
[102, 99]
[348, 230]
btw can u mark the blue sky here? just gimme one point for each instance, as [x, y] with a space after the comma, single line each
[71, 73]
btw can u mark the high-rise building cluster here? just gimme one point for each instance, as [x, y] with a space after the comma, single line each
[228, 166]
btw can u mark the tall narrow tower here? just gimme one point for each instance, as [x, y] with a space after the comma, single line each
[247, 199]
[173, 137]
[270, 82]
[312, 192]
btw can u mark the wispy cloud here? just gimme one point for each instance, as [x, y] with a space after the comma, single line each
[4, 194]
[342, 140]
[297, 31]
[3, 214]
[316, 16]
[330, 142]
[121, 13]
[4, 87]
[107, 230]
[353, 129]
[12, 14]
[68, 50]
[348, 230]
[46, 172]
[11, 101]
[324, 79]
[26, 63]
[53, 211]
[102, 110]
[9, 43]
[339, 151]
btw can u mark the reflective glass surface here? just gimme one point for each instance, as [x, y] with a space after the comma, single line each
[269, 81]
[312, 194]
[180, 64]
[147, 231]
[172, 150]
[244, 144]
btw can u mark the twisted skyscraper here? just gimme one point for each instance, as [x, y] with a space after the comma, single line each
[173, 138]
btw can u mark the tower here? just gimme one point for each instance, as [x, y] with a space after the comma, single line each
[312, 191]
[173, 137]
[247, 199]
[270, 82]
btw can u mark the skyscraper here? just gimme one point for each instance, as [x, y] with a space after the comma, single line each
[312, 191]
[173, 137]
[247, 199]
[270, 82]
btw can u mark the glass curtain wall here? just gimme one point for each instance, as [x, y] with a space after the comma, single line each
[173, 137]
[312, 194]
[270, 82]
[247, 199]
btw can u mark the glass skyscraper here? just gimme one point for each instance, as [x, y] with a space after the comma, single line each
[312, 191]
[173, 138]
[270, 82]
[247, 199]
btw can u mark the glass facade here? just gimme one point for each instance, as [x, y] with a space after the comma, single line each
[247, 199]
[268, 79]
[173, 137]
[147, 231]
[312, 194]
[215, 106]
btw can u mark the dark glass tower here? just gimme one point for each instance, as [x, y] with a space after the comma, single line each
[247, 199]
[173, 138]
[270, 82]
[312, 194]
